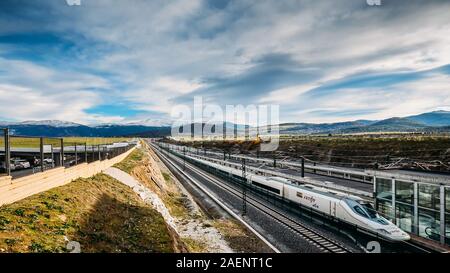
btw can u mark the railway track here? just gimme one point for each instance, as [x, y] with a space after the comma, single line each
[309, 235]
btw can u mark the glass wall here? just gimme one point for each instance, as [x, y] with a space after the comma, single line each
[385, 208]
[447, 215]
[429, 211]
[384, 197]
[384, 189]
[427, 222]
[404, 192]
[2, 153]
[404, 208]
[429, 196]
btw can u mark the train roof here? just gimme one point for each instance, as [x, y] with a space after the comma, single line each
[327, 192]
[309, 187]
[321, 190]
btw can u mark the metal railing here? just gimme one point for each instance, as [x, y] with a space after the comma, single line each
[24, 155]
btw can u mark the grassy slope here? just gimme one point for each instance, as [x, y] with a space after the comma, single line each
[132, 161]
[100, 213]
[239, 238]
[137, 164]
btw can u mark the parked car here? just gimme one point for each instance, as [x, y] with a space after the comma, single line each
[3, 166]
[20, 164]
[49, 161]
[16, 164]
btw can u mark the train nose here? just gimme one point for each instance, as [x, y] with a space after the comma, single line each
[403, 236]
[406, 237]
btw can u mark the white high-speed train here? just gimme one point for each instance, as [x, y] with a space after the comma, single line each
[347, 208]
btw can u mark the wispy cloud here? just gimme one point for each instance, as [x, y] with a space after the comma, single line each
[320, 61]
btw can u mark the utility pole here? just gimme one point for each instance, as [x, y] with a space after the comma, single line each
[184, 158]
[303, 166]
[244, 189]
[76, 155]
[274, 160]
[93, 153]
[41, 152]
[85, 153]
[7, 152]
[62, 152]
[53, 156]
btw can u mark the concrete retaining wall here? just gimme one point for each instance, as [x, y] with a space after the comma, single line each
[12, 190]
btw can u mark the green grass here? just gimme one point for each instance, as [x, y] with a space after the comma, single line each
[95, 140]
[100, 213]
[173, 199]
[195, 246]
[131, 161]
[166, 176]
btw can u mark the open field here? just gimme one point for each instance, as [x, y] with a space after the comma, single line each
[418, 152]
[100, 213]
[25, 142]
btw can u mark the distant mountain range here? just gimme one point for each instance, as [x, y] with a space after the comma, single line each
[438, 121]
[54, 128]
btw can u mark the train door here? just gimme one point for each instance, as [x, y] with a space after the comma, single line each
[333, 208]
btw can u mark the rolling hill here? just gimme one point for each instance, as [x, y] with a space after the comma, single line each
[437, 121]
[64, 129]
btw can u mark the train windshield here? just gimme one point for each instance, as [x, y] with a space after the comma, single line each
[368, 208]
[363, 208]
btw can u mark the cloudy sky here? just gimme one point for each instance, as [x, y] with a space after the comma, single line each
[321, 61]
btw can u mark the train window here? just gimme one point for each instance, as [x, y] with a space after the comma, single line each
[369, 209]
[277, 191]
[360, 211]
[362, 208]
[382, 221]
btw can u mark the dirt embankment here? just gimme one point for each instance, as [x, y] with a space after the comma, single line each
[414, 152]
[199, 232]
[99, 213]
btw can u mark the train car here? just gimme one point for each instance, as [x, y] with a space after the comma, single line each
[271, 184]
[307, 196]
[346, 208]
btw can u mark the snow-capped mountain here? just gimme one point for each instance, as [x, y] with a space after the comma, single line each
[51, 123]
[56, 128]
[426, 122]
[153, 123]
